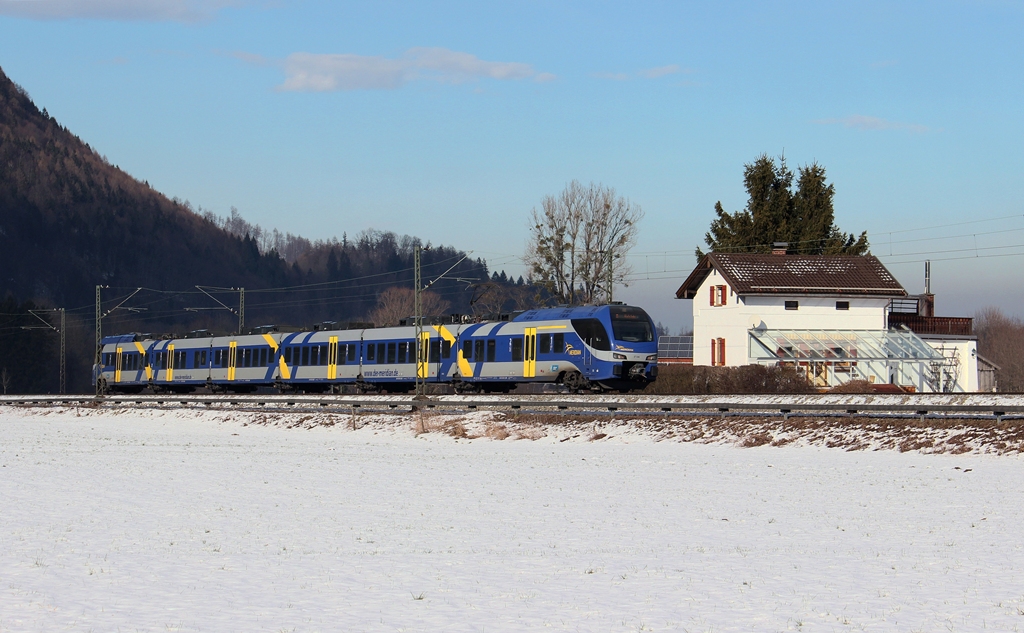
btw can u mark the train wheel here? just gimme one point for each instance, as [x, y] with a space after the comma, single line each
[573, 381]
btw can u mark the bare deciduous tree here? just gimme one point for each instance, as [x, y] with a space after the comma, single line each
[1001, 340]
[493, 298]
[575, 237]
[396, 303]
[5, 379]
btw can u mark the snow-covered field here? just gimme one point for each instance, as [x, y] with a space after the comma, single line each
[204, 521]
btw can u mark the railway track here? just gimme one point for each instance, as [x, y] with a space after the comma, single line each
[993, 406]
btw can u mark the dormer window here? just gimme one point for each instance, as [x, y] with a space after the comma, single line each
[792, 305]
[842, 305]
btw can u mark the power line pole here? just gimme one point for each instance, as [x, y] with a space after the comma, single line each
[63, 364]
[63, 372]
[241, 310]
[99, 337]
[418, 316]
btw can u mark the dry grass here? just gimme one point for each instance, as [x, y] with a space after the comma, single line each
[496, 431]
[691, 380]
[854, 386]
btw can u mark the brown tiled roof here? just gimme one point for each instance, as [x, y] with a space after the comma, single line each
[764, 273]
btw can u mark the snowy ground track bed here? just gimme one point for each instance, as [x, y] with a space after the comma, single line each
[186, 520]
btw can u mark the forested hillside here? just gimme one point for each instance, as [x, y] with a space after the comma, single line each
[69, 221]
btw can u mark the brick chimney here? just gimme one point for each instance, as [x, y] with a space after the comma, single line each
[780, 248]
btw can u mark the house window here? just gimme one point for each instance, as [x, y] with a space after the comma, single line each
[717, 352]
[842, 305]
[792, 305]
[717, 295]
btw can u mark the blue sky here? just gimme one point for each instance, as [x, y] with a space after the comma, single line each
[451, 120]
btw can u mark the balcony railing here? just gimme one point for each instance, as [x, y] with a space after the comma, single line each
[950, 326]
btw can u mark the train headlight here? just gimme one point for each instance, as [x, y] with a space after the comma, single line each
[652, 357]
[619, 356]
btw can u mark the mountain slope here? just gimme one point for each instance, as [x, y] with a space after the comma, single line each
[69, 220]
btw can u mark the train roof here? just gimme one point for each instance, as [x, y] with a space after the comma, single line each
[120, 338]
[564, 312]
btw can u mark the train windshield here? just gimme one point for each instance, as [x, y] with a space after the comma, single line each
[631, 325]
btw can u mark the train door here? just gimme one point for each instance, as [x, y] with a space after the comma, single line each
[422, 348]
[530, 353]
[332, 358]
[117, 364]
[170, 362]
[232, 359]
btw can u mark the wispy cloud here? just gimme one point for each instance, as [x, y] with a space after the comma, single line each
[309, 72]
[127, 10]
[646, 73]
[611, 76]
[661, 71]
[861, 122]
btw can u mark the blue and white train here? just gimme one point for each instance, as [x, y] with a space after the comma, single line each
[598, 348]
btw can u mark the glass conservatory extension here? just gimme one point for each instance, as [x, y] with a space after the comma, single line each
[833, 357]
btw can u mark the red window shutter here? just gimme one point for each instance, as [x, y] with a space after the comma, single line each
[721, 351]
[712, 288]
[714, 348]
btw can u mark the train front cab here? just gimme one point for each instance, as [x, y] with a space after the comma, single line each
[605, 347]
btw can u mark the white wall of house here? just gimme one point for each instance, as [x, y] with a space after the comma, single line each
[739, 314]
[966, 352]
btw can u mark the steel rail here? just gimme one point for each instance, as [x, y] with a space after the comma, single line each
[958, 405]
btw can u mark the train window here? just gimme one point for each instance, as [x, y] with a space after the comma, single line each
[480, 350]
[402, 351]
[352, 351]
[491, 349]
[381, 354]
[517, 348]
[323, 355]
[467, 350]
[202, 358]
[545, 343]
[182, 360]
[558, 345]
[305, 356]
[371, 352]
[391, 353]
[593, 333]
[342, 354]
[435, 351]
[446, 349]
[263, 357]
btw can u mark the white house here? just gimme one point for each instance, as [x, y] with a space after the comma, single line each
[826, 314]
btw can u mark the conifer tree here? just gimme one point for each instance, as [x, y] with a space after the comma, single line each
[774, 213]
